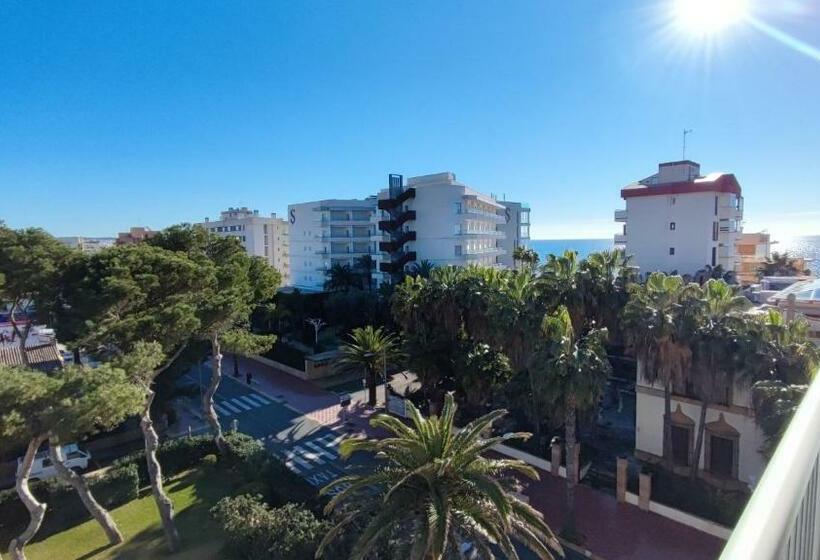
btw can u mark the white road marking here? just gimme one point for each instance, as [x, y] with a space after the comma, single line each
[237, 402]
[229, 406]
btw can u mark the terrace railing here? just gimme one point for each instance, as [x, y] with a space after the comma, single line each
[782, 518]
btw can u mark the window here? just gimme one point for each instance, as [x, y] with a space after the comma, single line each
[265, 228]
[716, 206]
[715, 230]
[456, 208]
[671, 250]
[457, 249]
[672, 201]
[672, 226]
[457, 229]
[714, 256]
[721, 456]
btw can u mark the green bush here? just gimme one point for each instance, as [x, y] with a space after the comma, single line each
[254, 531]
[288, 355]
[175, 456]
[210, 460]
[119, 485]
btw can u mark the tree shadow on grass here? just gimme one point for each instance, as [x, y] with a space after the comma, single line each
[196, 492]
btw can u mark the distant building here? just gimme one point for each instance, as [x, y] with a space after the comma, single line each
[751, 251]
[438, 219]
[679, 220]
[516, 230]
[88, 245]
[328, 232]
[134, 235]
[801, 298]
[261, 236]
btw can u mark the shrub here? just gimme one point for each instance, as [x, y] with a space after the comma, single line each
[175, 456]
[210, 460]
[255, 531]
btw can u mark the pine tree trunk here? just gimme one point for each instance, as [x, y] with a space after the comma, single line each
[668, 452]
[36, 510]
[569, 436]
[208, 397]
[78, 359]
[693, 464]
[98, 512]
[164, 504]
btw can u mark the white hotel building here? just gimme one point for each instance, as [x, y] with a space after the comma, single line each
[438, 219]
[328, 232]
[678, 220]
[261, 236]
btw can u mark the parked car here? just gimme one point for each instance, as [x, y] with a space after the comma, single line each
[75, 459]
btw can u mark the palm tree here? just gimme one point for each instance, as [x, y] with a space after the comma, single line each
[341, 277]
[434, 493]
[561, 282]
[367, 349]
[658, 329]
[364, 267]
[528, 258]
[605, 280]
[574, 370]
[717, 352]
[781, 264]
[422, 268]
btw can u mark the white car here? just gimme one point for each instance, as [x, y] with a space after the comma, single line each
[42, 469]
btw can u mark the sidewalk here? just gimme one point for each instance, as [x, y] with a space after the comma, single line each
[613, 531]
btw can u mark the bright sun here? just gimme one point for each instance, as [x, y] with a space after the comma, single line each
[709, 16]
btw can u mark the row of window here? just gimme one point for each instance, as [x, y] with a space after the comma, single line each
[222, 229]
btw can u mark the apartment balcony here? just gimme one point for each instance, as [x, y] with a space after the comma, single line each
[398, 221]
[396, 244]
[480, 253]
[620, 239]
[483, 233]
[782, 518]
[620, 215]
[398, 200]
[730, 212]
[398, 263]
[474, 213]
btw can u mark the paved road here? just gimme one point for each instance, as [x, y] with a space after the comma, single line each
[307, 447]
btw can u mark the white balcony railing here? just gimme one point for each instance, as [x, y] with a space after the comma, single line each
[782, 518]
[620, 239]
[620, 215]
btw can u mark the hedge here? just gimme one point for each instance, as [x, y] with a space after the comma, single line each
[117, 486]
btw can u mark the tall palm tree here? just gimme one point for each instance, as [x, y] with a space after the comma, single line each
[781, 264]
[341, 277]
[574, 370]
[561, 282]
[422, 268]
[605, 277]
[717, 353]
[368, 349]
[434, 493]
[525, 258]
[657, 324]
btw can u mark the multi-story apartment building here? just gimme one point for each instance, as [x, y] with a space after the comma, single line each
[751, 251]
[88, 245]
[438, 219]
[516, 230]
[328, 232]
[261, 236]
[134, 235]
[678, 220]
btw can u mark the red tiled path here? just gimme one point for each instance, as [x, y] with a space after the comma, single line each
[613, 531]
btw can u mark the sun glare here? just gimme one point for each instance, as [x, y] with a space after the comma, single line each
[706, 17]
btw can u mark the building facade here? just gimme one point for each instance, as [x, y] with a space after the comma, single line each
[678, 220]
[730, 454]
[89, 245]
[261, 236]
[435, 218]
[751, 251]
[516, 228]
[328, 232]
[134, 235]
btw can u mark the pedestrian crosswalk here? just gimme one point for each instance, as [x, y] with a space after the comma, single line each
[309, 454]
[237, 405]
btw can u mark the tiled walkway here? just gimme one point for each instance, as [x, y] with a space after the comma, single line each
[613, 531]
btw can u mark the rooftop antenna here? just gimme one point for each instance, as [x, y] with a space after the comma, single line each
[685, 132]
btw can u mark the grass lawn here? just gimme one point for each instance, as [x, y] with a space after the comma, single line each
[193, 494]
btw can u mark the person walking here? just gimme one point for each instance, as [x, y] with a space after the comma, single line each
[249, 378]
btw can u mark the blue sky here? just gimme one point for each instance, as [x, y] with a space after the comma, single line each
[115, 114]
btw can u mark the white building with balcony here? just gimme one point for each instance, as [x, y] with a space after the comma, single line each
[438, 219]
[261, 236]
[328, 232]
[678, 220]
[516, 230]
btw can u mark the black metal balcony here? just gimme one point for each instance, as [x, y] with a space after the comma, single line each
[396, 201]
[396, 244]
[398, 221]
[398, 264]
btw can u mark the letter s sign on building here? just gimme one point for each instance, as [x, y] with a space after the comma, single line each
[292, 218]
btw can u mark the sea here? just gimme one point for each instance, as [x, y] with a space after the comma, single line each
[805, 246]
